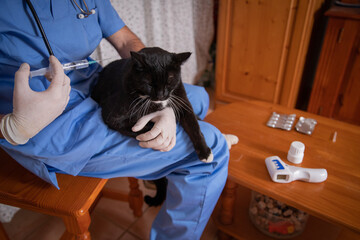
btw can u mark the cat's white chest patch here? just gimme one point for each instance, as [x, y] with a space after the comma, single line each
[162, 103]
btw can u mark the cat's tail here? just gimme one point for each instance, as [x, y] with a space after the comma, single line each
[159, 198]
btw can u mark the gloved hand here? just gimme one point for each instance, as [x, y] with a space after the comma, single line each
[162, 136]
[33, 111]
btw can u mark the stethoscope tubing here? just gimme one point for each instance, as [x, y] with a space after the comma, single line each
[40, 28]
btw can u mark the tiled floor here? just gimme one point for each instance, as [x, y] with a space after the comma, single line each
[111, 220]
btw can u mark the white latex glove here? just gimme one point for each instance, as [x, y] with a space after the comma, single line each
[33, 111]
[162, 136]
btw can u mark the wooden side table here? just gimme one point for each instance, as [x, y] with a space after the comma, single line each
[334, 205]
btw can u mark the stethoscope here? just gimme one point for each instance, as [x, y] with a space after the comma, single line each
[83, 14]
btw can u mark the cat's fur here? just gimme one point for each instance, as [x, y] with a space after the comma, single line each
[148, 81]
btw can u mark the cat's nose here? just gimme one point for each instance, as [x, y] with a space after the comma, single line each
[161, 96]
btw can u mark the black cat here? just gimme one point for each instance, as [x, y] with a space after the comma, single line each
[148, 81]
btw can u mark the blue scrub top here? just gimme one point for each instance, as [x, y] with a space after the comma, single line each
[67, 143]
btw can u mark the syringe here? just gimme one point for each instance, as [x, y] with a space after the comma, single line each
[66, 66]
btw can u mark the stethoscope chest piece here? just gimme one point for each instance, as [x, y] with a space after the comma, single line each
[85, 15]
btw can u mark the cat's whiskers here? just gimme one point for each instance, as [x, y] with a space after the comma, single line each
[175, 108]
[137, 105]
[180, 103]
[141, 111]
[145, 107]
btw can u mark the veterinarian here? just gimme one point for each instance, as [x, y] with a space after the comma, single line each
[51, 124]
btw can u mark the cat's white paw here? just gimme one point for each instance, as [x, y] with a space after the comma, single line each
[231, 139]
[209, 159]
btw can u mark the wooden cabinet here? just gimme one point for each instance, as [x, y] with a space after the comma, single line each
[336, 88]
[261, 49]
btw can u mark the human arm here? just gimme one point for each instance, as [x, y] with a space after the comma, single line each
[125, 41]
[33, 111]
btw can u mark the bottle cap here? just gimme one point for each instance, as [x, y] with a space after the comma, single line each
[296, 152]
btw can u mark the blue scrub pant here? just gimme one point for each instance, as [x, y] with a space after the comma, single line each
[193, 186]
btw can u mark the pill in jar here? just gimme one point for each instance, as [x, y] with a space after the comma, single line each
[275, 218]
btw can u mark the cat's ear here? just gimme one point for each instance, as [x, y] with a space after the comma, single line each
[138, 59]
[182, 57]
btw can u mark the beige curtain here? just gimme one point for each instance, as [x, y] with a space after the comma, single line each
[174, 25]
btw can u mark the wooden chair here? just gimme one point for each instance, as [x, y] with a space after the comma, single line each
[73, 202]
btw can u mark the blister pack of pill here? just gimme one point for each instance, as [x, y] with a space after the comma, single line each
[305, 125]
[282, 121]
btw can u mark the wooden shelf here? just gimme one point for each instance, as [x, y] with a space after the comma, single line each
[243, 229]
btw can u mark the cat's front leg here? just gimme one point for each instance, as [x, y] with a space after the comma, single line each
[189, 122]
[192, 128]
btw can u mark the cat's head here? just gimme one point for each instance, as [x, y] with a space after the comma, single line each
[156, 72]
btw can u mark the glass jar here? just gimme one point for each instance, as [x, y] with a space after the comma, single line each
[275, 218]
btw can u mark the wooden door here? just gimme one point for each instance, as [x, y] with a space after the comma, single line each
[261, 48]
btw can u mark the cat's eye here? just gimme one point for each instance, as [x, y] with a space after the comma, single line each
[139, 68]
[146, 87]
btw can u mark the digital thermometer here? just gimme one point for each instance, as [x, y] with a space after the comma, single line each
[283, 173]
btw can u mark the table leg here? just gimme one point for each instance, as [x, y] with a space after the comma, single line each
[228, 202]
[3, 234]
[77, 227]
[136, 198]
[226, 216]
